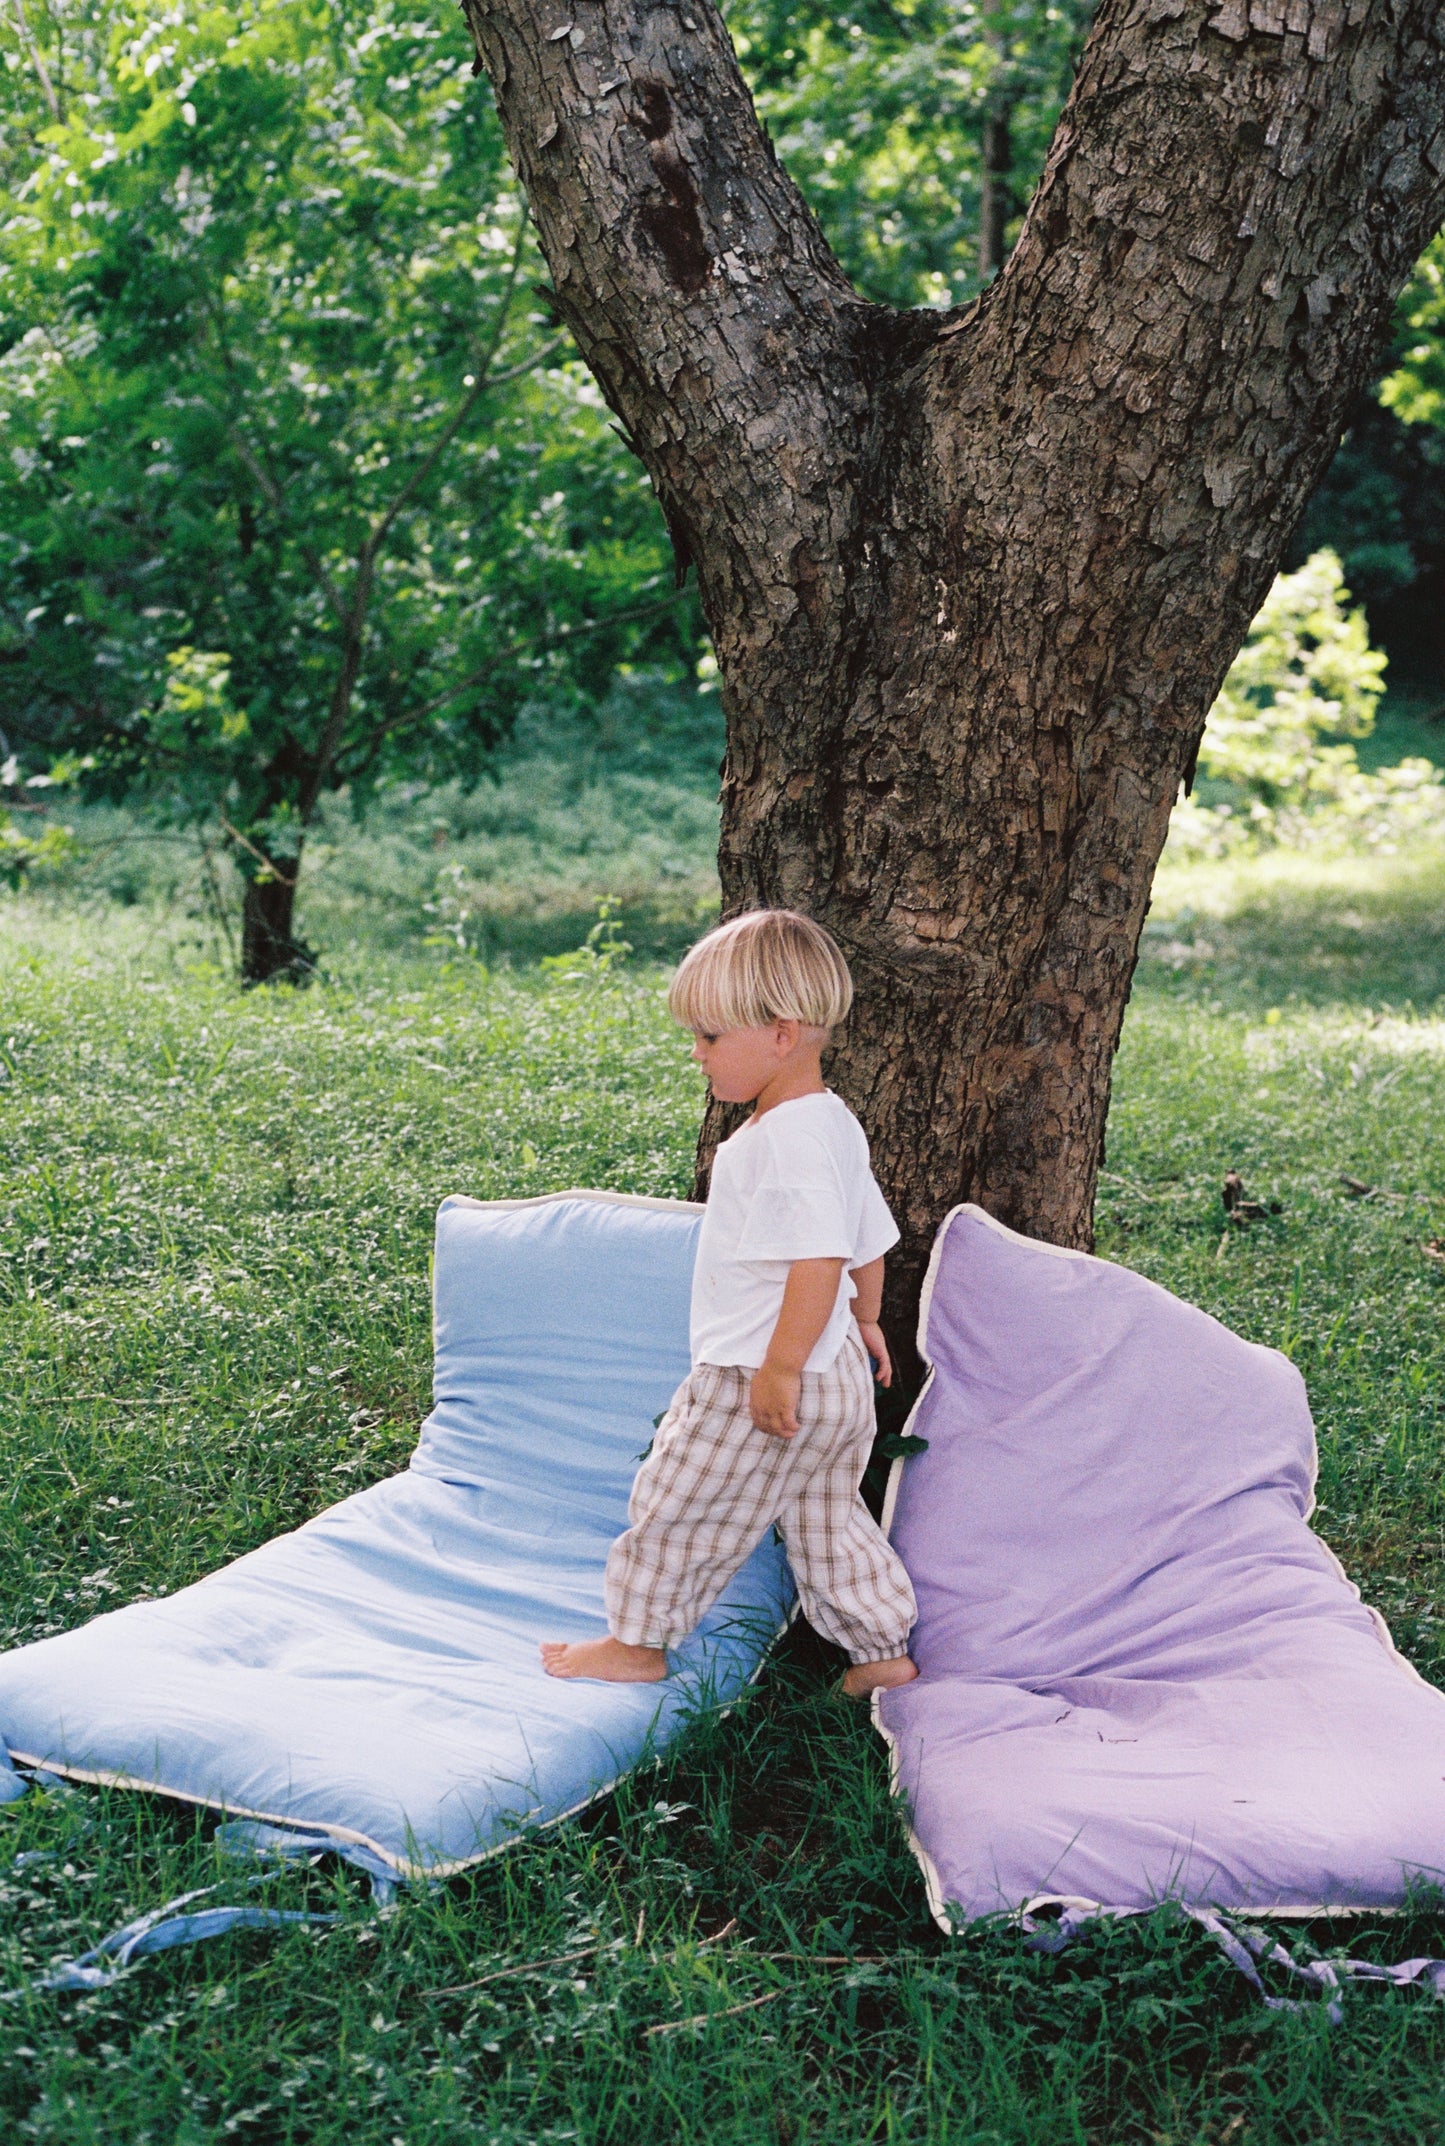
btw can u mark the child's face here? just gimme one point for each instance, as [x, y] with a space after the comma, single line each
[741, 1061]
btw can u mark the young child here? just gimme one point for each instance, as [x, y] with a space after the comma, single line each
[775, 1420]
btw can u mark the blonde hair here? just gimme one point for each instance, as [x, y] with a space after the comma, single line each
[767, 965]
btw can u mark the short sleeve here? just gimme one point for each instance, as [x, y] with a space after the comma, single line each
[877, 1230]
[798, 1208]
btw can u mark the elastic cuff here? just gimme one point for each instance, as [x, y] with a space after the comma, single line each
[894, 1654]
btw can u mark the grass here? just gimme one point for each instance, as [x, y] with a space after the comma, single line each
[215, 1218]
[625, 806]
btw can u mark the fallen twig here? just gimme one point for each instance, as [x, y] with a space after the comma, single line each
[503, 1974]
[701, 2019]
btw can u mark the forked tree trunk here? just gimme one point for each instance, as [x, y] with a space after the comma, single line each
[974, 580]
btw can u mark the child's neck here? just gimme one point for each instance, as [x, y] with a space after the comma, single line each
[801, 1073]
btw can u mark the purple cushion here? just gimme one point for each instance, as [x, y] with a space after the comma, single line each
[1141, 1674]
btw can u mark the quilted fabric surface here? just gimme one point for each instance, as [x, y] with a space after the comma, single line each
[375, 1674]
[1142, 1674]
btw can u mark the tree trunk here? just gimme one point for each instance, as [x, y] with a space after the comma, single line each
[996, 204]
[270, 951]
[974, 580]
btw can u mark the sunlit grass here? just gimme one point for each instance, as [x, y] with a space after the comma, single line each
[214, 1224]
[1362, 930]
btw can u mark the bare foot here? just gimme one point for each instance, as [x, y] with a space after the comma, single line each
[866, 1677]
[609, 1660]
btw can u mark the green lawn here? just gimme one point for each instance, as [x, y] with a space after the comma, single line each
[214, 1230]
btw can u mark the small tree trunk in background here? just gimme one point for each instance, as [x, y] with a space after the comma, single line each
[974, 580]
[270, 950]
[996, 204]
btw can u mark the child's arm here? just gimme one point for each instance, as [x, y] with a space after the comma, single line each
[867, 1303]
[809, 1295]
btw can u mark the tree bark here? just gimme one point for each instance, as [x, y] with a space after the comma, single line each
[270, 951]
[974, 580]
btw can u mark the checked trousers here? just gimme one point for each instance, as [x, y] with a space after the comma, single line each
[713, 1484]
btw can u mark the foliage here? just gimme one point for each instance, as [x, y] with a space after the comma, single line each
[21, 852]
[1277, 762]
[301, 489]
[878, 111]
[1415, 389]
[23, 846]
[621, 802]
[1381, 504]
[214, 1223]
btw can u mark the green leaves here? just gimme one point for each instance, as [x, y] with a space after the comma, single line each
[879, 110]
[21, 852]
[298, 486]
[1415, 390]
[1277, 761]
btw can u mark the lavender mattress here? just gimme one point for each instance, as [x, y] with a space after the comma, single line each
[1142, 1675]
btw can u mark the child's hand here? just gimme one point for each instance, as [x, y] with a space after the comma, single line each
[773, 1398]
[877, 1348]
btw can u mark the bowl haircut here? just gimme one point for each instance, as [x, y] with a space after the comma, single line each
[766, 965]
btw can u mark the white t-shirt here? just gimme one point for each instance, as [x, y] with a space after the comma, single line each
[792, 1184]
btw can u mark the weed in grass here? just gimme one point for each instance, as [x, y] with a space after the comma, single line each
[215, 1222]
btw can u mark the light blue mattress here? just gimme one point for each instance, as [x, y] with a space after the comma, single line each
[374, 1676]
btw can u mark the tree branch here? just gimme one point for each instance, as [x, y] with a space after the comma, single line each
[1202, 281]
[274, 494]
[245, 843]
[482, 381]
[338, 714]
[408, 717]
[699, 289]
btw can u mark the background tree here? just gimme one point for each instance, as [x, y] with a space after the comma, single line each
[916, 128]
[302, 486]
[974, 581]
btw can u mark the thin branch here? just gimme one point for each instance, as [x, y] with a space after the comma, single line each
[482, 380]
[36, 61]
[342, 693]
[550, 640]
[703, 2019]
[259, 855]
[213, 888]
[529, 365]
[275, 495]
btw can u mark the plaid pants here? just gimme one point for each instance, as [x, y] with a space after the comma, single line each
[713, 1484]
